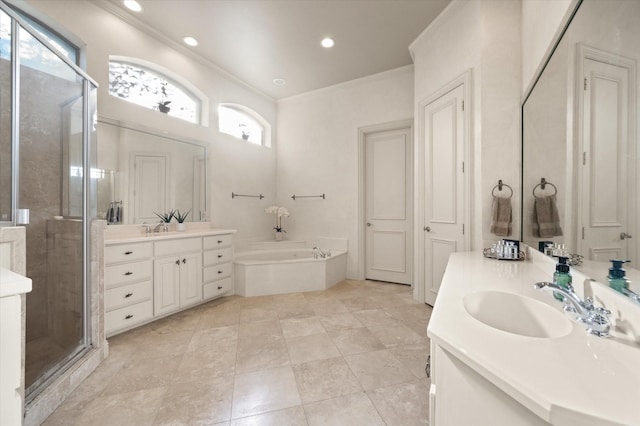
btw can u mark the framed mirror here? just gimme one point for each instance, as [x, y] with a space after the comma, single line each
[580, 136]
[143, 172]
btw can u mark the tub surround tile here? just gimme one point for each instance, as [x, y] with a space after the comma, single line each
[325, 379]
[352, 410]
[311, 348]
[263, 391]
[263, 371]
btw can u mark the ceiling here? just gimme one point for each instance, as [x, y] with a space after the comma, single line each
[261, 40]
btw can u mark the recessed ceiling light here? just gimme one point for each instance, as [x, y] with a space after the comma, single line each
[327, 42]
[132, 5]
[279, 81]
[190, 41]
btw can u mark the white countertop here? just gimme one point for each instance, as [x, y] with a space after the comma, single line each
[577, 379]
[12, 283]
[135, 234]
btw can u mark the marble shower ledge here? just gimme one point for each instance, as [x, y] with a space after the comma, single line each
[12, 283]
[574, 379]
[135, 233]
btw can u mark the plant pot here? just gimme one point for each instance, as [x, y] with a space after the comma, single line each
[181, 227]
[164, 109]
[279, 236]
[246, 138]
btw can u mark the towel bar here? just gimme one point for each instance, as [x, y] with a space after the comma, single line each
[500, 185]
[542, 184]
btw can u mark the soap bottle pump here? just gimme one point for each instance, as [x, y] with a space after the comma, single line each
[562, 277]
[616, 278]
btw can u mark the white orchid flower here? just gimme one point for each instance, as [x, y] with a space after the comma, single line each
[271, 209]
[282, 211]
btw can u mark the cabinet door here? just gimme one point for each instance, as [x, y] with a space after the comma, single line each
[166, 285]
[190, 279]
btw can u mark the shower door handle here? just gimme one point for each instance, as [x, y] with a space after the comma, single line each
[22, 216]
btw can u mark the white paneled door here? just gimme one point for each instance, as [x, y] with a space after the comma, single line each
[606, 176]
[389, 205]
[444, 184]
[149, 193]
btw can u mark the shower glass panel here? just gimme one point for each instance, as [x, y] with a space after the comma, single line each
[5, 117]
[51, 186]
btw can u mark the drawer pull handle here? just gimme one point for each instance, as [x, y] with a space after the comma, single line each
[128, 252]
[219, 256]
[128, 316]
[128, 295]
[178, 262]
[128, 273]
[219, 272]
[184, 260]
[219, 287]
[219, 241]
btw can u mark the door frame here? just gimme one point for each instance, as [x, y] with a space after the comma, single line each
[465, 80]
[584, 53]
[362, 210]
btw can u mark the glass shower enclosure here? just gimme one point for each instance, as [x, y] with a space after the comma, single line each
[47, 141]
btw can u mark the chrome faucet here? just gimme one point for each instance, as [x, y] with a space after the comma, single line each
[596, 319]
[163, 225]
[319, 252]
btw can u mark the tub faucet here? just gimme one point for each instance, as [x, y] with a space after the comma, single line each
[596, 319]
[320, 252]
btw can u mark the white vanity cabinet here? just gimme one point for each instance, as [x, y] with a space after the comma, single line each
[148, 277]
[177, 274]
[128, 298]
[218, 265]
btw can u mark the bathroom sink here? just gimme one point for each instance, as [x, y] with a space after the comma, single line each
[517, 314]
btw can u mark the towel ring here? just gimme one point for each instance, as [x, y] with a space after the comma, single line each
[499, 186]
[542, 184]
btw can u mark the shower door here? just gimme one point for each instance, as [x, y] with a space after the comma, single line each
[53, 102]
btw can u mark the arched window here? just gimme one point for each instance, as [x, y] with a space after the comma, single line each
[143, 83]
[243, 123]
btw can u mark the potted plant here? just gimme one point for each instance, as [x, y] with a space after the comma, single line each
[165, 218]
[245, 133]
[279, 213]
[181, 217]
[163, 105]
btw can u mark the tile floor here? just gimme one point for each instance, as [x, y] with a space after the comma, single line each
[351, 355]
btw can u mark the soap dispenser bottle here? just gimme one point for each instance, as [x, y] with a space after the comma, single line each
[562, 277]
[616, 278]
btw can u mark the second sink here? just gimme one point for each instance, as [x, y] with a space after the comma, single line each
[517, 314]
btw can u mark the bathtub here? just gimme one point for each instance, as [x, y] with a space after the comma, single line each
[279, 271]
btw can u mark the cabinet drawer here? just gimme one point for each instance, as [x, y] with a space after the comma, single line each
[214, 257]
[217, 241]
[177, 246]
[128, 316]
[125, 273]
[217, 272]
[127, 252]
[127, 295]
[216, 288]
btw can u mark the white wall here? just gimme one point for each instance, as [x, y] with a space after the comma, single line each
[233, 165]
[482, 36]
[318, 152]
[542, 23]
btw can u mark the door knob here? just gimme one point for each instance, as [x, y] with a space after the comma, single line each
[369, 224]
[624, 235]
[427, 228]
